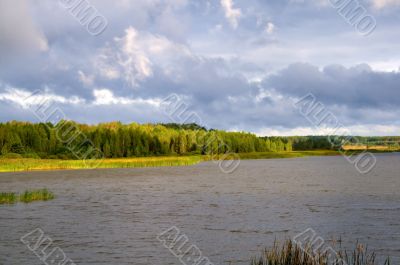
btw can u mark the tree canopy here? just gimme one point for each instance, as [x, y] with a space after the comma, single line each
[68, 140]
[115, 140]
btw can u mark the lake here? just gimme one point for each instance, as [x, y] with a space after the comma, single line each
[113, 216]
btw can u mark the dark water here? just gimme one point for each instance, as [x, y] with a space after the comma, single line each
[113, 216]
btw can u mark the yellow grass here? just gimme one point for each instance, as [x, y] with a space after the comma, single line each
[28, 164]
[370, 147]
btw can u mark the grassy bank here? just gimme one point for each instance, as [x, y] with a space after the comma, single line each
[26, 197]
[292, 254]
[31, 164]
[273, 155]
[293, 154]
[378, 148]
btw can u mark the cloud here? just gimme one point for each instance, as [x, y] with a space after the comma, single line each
[102, 96]
[25, 98]
[87, 80]
[242, 79]
[134, 56]
[356, 87]
[359, 130]
[379, 4]
[232, 14]
[18, 31]
[270, 28]
[106, 97]
[216, 96]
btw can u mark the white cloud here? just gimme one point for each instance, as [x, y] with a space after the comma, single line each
[105, 96]
[270, 28]
[106, 67]
[133, 56]
[26, 99]
[385, 3]
[391, 65]
[231, 13]
[378, 4]
[299, 131]
[136, 56]
[125, 59]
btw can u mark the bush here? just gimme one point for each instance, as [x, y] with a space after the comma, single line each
[42, 155]
[64, 156]
[11, 155]
[31, 155]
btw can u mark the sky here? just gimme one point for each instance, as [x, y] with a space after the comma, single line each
[238, 65]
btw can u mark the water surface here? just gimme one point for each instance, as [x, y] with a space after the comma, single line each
[113, 216]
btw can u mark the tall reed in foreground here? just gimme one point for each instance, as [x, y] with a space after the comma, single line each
[292, 254]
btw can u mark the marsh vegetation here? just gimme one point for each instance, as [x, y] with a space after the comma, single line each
[26, 197]
[31, 164]
[290, 253]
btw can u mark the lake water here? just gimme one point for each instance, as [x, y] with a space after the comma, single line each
[113, 216]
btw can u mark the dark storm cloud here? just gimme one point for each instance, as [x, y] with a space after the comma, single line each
[355, 87]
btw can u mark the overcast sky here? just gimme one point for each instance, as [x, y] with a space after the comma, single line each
[237, 64]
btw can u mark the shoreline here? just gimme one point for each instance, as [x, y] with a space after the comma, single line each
[33, 164]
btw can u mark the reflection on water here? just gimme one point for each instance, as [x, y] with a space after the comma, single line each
[113, 216]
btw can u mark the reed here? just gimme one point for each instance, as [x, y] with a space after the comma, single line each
[26, 197]
[8, 197]
[36, 195]
[290, 253]
[30, 164]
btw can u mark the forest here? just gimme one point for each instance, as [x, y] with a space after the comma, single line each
[70, 140]
[303, 143]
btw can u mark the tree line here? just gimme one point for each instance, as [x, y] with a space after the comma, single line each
[70, 140]
[116, 140]
[336, 142]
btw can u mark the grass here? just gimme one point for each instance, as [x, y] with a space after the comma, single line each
[292, 254]
[275, 155]
[31, 164]
[150, 162]
[26, 197]
[8, 197]
[36, 195]
[371, 147]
